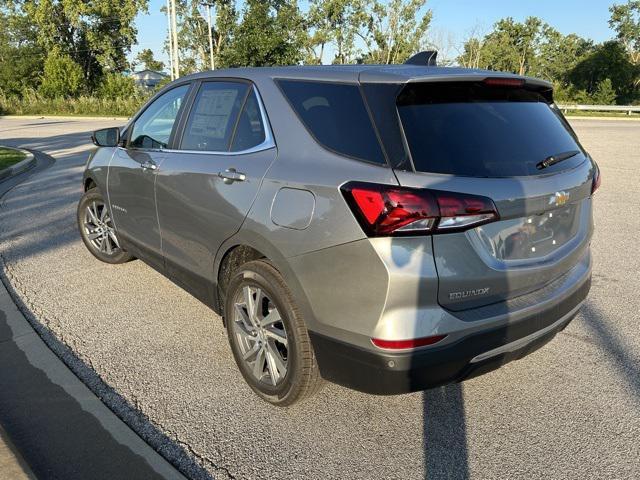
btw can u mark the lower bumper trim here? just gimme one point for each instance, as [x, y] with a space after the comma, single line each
[523, 342]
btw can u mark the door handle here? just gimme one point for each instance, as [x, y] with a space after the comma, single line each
[148, 165]
[231, 175]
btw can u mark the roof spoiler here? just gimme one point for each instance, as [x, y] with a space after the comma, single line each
[428, 58]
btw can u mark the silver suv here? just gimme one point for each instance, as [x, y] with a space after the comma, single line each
[386, 228]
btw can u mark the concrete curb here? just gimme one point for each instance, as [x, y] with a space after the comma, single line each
[65, 117]
[615, 119]
[19, 167]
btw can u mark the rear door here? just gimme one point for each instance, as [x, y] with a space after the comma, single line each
[208, 182]
[489, 139]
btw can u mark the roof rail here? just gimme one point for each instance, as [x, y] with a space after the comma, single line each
[427, 57]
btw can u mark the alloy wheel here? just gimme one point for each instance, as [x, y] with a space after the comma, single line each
[98, 228]
[261, 335]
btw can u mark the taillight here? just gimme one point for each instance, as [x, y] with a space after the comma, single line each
[405, 344]
[596, 179]
[388, 210]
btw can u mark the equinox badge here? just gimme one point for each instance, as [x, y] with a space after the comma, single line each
[468, 293]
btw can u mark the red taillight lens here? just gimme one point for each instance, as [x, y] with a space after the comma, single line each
[596, 180]
[406, 344]
[503, 82]
[385, 209]
[388, 210]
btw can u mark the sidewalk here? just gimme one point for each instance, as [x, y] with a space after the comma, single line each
[59, 427]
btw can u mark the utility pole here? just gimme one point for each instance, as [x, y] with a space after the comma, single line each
[209, 6]
[170, 40]
[174, 31]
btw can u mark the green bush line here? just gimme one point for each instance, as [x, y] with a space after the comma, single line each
[34, 104]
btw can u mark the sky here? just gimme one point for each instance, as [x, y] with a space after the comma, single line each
[452, 21]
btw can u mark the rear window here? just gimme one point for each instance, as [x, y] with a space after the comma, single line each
[336, 116]
[475, 130]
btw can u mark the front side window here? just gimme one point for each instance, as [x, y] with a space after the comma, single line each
[336, 116]
[213, 117]
[152, 129]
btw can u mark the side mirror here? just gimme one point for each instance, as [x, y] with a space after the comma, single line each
[106, 137]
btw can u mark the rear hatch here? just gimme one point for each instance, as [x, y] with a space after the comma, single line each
[488, 138]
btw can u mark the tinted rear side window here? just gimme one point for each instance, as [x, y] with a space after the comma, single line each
[336, 116]
[213, 116]
[475, 130]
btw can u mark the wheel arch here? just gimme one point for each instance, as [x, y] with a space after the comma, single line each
[233, 258]
[89, 183]
[250, 246]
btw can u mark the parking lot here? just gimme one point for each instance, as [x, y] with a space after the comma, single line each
[160, 359]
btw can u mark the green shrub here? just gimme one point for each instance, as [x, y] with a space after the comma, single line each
[116, 85]
[33, 103]
[62, 76]
[604, 94]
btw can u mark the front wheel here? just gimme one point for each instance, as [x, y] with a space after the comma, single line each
[97, 229]
[268, 337]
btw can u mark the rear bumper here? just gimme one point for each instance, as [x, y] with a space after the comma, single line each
[481, 352]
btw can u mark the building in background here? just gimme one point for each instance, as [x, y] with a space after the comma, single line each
[148, 79]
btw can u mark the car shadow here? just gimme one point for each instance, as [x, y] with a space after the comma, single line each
[607, 338]
[445, 433]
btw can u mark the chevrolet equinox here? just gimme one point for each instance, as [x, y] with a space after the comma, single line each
[387, 228]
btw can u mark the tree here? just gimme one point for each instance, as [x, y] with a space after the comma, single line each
[147, 60]
[558, 54]
[96, 35]
[193, 33]
[472, 45]
[62, 76]
[270, 33]
[336, 23]
[193, 37]
[608, 61]
[395, 31]
[625, 20]
[511, 47]
[604, 94]
[21, 58]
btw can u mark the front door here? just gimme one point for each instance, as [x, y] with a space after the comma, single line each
[132, 176]
[206, 186]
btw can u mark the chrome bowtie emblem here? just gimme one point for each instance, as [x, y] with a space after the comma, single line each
[559, 198]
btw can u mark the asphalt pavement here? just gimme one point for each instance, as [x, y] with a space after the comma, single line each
[160, 359]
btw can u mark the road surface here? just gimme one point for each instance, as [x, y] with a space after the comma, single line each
[160, 358]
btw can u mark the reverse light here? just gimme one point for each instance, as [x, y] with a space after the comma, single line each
[406, 344]
[384, 210]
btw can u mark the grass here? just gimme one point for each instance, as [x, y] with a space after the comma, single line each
[33, 104]
[582, 113]
[10, 157]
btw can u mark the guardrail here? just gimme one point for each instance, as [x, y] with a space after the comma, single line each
[601, 108]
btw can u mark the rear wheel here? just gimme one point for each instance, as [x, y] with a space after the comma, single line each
[97, 229]
[268, 337]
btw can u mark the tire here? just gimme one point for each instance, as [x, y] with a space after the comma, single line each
[94, 219]
[260, 280]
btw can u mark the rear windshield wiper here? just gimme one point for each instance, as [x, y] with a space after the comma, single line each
[553, 159]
